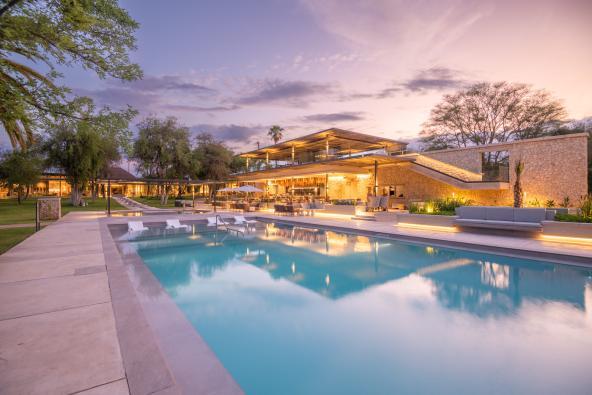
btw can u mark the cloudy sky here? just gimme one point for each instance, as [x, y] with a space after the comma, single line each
[233, 68]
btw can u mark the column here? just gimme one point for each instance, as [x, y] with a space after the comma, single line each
[375, 178]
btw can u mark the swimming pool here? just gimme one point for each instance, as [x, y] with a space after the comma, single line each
[293, 310]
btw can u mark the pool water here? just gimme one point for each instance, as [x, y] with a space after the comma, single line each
[293, 310]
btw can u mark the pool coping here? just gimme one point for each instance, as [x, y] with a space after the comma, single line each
[162, 352]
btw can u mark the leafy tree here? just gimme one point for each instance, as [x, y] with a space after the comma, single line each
[85, 146]
[487, 113]
[237, 164]
[19, 170]
[96, 35]
[214, 157]
[275, 133]
[163, 152]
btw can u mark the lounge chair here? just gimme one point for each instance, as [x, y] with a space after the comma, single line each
[241, 220]
[175, 224]
[136, 226]
[213, 221]
[373, 202]
[383, 205]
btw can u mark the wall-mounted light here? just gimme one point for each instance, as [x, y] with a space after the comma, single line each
[363, 176]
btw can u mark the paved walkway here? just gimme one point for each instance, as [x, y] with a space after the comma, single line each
[57, 329]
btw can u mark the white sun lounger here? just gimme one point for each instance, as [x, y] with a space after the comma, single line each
[241, 220]
[213, 221]
[175, 224]
[136, 226]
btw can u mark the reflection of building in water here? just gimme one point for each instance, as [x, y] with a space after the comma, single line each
[501, 287]
[324, 242]
[495, 275]
[336, 265]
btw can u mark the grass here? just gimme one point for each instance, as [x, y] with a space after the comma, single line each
[13, 213]
[12, 236]
[154, 201]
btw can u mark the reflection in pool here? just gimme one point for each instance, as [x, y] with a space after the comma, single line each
[306, 311]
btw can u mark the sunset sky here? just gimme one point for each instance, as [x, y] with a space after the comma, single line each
[233, 68]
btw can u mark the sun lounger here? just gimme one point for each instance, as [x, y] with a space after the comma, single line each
[175, 224]
[241, 220]
[136, 226]
[213, 221]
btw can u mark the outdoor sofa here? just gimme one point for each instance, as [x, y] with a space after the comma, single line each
[504, 218]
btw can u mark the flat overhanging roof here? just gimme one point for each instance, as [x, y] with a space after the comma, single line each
[350, 165]
[343, 141]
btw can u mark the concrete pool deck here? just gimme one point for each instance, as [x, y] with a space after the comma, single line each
[72, 319]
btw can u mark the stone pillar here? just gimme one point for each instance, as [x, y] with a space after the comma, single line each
[50, 208]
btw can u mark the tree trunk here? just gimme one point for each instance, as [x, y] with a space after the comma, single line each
[75, 195]
[19, 194]
[518, 193]
[163, 195]
[27, 192]
[94, 187]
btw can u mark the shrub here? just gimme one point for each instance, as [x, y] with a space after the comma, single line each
[550, 203]
[565, 203]
[584, 212]
[444, 206]
[571, 218]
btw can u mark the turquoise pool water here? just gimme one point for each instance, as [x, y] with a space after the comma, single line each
[307, 311]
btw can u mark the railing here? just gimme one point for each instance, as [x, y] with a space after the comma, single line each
[298, 161]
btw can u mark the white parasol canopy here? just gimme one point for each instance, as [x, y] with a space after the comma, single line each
[248, 188]
[229, 189]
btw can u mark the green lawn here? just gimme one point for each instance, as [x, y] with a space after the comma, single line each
[154, 201]
[11, 237]
[13, 213]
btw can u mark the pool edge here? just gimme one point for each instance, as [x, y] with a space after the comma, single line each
[150, 330]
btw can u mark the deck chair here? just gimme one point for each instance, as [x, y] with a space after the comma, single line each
[241, 220]
[136, 226]
[175, 224]
[213, 221]
[373, 203]
[383, 205]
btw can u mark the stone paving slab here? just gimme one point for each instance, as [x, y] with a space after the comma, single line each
[19, 269]
[25, 298]
[60, 352]
[118, 387]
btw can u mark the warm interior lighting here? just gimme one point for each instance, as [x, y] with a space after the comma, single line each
[428, 227]
[336, 178]
[363, 176]
[566, 239]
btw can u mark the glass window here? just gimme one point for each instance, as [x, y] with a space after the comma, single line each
[496, 166]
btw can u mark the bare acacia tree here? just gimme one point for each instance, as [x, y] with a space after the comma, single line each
[487, 113]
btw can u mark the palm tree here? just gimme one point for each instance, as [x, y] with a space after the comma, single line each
[518, 193]
[19, 86]
[275, 132]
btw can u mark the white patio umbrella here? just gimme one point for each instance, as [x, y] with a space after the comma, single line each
[228, 189]
[248, 188]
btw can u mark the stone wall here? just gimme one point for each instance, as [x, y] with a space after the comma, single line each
[554, 168]
[418, 187]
